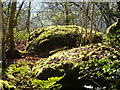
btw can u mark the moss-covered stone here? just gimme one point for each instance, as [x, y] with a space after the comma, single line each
[74, 57]
[113, 33]
[113, 28]
[46, 39]
[69, 61]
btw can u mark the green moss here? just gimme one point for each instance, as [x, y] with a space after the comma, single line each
[113, 33]
[112, 28]
[21, 76]
[46, 39]
[70, 61]
[73, 57]
[5, 85]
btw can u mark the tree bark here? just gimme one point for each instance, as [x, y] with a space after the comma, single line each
[11, 27]
[3, 33]
[28, 19]
[118, 3]
[67, 13]
[1, 29]
[81, 36]
[92, 23]
[86, 21]
[107, 13]
[18, 13]
[39, 20]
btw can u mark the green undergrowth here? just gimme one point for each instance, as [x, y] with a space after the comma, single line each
[47, 39]
[102, 73]
[20, 35]
[5, 85]
[74, 68]
[20, 76]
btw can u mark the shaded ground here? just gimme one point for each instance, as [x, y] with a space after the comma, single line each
[28, 56]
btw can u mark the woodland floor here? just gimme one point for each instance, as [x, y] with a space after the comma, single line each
[30, 57]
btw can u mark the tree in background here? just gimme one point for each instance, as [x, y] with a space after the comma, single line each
[3, 32]
[10, 20]
[66, 9]
[11, 27]
[28, 18]
[62, 14]
[118, 3]
[18, 13]
[92, 23]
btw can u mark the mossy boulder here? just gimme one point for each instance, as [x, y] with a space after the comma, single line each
[113, 28]
[69, 62]
[113, 33]
[46, 39]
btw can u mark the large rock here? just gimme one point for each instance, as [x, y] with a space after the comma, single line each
[113, 33]
[113, 28]
[46, 39]
[68, 62]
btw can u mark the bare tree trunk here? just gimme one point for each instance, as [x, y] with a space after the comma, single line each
[9, 9]
[3, 33]
[2, 40]
[107, 13]
[118, 3]
[99, 20]
[6, 24]
[92, 23]
[28, 18]
[67, 13]
[81, 36]
[11, 27]
[86, 22]
[18, 13]
[39, 20]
